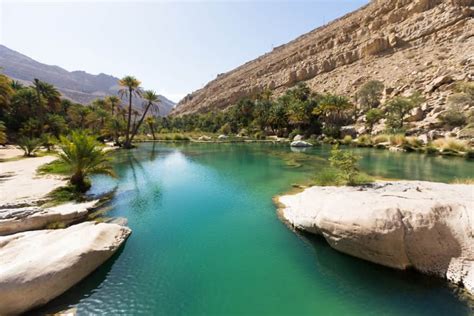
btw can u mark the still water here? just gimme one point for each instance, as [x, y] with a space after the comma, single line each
[207, 241]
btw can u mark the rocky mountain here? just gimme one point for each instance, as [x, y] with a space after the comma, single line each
[407, 44]
[79, 86]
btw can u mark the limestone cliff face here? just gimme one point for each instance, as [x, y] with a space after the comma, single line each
[407, 44]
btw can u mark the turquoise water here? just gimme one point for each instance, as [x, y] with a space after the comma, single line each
[207, 241]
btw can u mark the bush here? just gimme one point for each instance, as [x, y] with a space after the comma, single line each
[382, 138]
[346, 162]
[364, 140]
[453, 118]
[294, 133]
[397, 139]
[29, 145]
[332, 131]
[347, 140]
[451, 144]
[260, 135]
[179, 137]
[328, 177]
[225, 129]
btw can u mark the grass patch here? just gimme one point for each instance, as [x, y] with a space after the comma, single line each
[463, 181]
[451, 145]
[55, 167]
[332, 177]
[63, 195]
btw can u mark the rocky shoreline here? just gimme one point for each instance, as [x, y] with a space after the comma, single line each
[417, 225]
[46, 250]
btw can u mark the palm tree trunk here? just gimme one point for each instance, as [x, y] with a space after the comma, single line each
[152, 131]
[127, 137]
[135, 131]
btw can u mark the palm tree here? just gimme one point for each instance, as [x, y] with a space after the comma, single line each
[129, 86]
[84, 157]
[3, 134]
[151, 100]
[114, 102]
[150, 121]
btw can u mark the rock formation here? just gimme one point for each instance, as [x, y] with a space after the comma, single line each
[14, 220]
[407, 44]
[38, 266]
[422, 225]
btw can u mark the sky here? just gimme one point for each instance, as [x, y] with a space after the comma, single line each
[172, 47]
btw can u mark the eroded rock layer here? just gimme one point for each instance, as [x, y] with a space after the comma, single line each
[407, 44]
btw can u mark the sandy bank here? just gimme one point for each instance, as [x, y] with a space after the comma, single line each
[19, 182]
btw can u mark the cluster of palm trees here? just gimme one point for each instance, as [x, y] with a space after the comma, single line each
[40, 112]
[130, 87]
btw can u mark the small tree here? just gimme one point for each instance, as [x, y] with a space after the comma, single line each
[29, 145]
[84, 156]
[370, 94]
[346, 162]
[371, 118]
[399, 107]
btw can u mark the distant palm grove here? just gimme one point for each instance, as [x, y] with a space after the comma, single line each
[37, 114]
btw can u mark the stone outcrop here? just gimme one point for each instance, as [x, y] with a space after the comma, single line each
[408, 45]
[37, 266]
[14, 220]
[421, 225]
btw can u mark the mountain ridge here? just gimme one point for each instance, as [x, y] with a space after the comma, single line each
[405, 44]
[78, 85]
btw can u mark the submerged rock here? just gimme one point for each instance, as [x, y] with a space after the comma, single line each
[38, 266]
[404, 224]
[300, 143]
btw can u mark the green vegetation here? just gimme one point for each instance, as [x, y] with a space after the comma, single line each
[398, 108]
[38, 112]
[29, 145]
[55, 167]
[64, 194]
[343, 170]
[83, 155]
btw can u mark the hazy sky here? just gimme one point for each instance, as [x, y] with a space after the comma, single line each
[172, 47]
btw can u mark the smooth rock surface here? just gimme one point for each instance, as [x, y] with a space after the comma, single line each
[37, 266]
[423, 225]
[16, 220]
[300, 143]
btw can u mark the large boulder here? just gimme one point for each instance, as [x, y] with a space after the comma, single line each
[37, 266]
[14, 220]
[421, 225]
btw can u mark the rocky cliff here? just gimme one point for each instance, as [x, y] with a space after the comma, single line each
[406, 44]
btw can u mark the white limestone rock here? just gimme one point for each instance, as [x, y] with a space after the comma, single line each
[424, 225]
[37, 266]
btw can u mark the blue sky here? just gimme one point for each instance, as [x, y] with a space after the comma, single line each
[172, 47]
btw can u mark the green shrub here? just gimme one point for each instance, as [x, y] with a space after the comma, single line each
[294, 133]
[225, 129]
[347, 140]
[364, 140]
[260, 135]
[346, 162]
[448, 145]
[453, 117]
[29, 145]
[397, 139]
[382, 138]
[328, 177]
